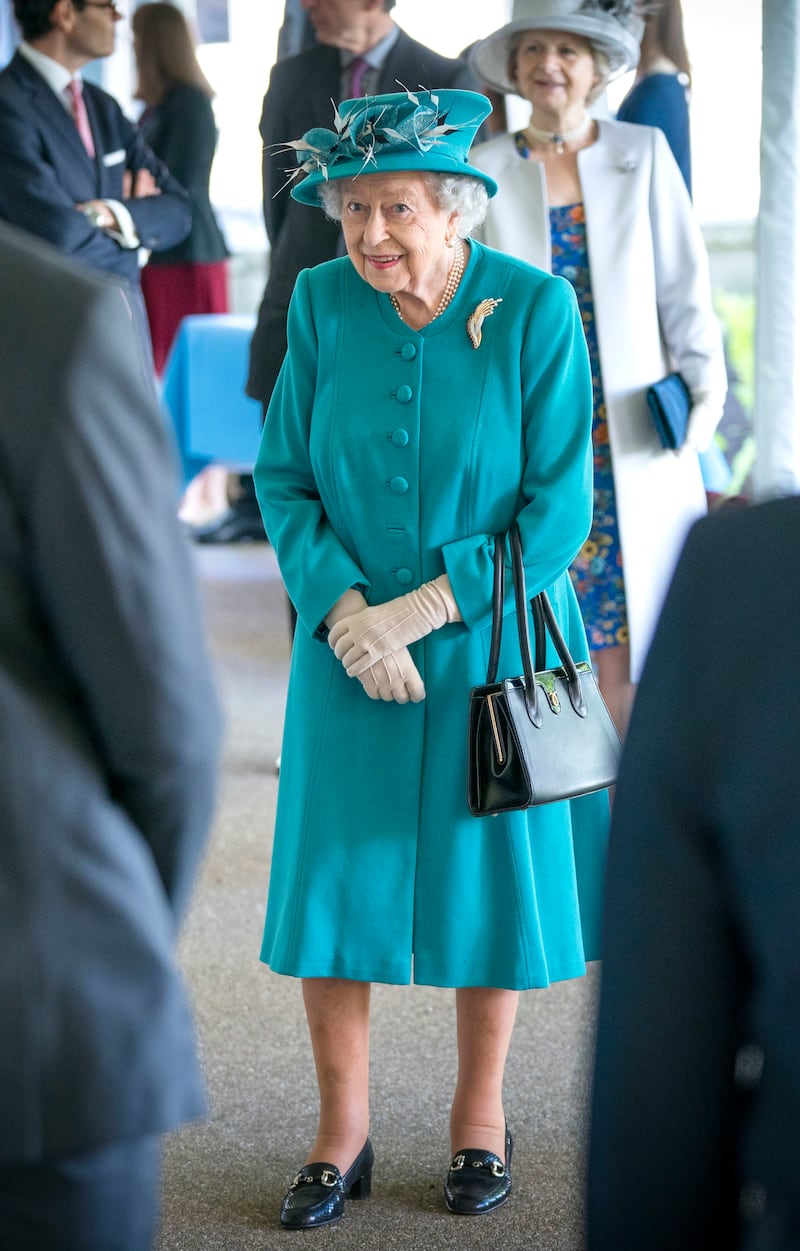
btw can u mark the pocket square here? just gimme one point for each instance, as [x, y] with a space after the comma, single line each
[669, 402]
[114, 158]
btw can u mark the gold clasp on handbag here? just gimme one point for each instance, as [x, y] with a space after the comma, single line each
[546, 682]
[498, 742]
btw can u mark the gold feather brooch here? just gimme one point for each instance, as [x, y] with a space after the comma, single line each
[476, 320]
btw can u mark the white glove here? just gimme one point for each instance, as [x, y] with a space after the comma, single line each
[362, 638]
[704, 417]
[394, 677]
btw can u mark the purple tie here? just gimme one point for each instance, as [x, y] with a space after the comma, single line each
[81, 117]
[358, 68]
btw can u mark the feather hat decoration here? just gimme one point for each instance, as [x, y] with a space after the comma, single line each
[612, 26]
[402, 131]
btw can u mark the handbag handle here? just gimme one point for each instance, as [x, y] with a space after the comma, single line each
[498, 595]
[544, 620]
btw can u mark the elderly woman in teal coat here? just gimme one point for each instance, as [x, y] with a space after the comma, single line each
[434, 392]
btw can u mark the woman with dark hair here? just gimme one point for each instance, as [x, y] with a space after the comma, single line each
[178, 124]
[661, 89]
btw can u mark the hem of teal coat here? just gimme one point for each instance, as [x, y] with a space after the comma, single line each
[396, 977]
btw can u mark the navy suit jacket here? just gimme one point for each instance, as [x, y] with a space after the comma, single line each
[298, 98]
[45, 170]
[691, 1146]
[109, 723]
[182, 132]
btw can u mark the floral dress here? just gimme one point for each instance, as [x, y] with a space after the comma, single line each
[597, 569]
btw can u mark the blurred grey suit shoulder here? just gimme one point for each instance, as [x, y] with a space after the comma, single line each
[108, 718]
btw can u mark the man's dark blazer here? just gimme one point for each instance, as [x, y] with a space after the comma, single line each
[109, 723]
[701, 954]
[45, 170]
[182, 133]
[298, 98]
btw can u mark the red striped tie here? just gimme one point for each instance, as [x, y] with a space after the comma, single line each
[81, 117]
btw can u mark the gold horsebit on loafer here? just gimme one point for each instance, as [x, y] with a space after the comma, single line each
[327, 1178]
[494, 1166]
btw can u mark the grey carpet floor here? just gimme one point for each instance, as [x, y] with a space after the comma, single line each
[224, 1178]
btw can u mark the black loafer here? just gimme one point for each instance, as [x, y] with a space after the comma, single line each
[317, 1194]
[477, 1181]
[233, 526]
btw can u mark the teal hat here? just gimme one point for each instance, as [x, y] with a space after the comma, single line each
[430, 131]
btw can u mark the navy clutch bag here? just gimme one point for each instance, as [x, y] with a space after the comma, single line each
[669, 402]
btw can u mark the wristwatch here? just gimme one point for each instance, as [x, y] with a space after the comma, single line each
[96, 216]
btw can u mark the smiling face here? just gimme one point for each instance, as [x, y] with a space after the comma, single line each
[395, 234]
[555, 71]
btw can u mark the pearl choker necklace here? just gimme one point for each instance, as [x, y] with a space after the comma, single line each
[559, 138]
[451, 286]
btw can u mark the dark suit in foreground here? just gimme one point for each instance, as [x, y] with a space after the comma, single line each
[696, 1109]
[109, 727]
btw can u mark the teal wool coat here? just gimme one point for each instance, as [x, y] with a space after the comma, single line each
[390, 456]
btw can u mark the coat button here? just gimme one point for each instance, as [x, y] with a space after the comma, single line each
[408, 351]
[398, 486]
[403, 576]
[404, 394]
[400, 437]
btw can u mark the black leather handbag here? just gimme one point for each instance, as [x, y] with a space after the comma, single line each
[542, 737]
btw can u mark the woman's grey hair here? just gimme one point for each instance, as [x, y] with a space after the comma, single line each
[460, 193]
[601, 64]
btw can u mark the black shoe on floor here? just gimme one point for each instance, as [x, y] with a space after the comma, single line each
[232, 526]
[317, 1194]
[477, 1181]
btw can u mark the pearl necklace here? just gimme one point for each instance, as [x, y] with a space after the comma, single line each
[559, 138]
[450, 288]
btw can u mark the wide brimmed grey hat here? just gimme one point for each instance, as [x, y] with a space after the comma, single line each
[610, 25]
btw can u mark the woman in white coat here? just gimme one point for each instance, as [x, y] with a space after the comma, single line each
[603, 203]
